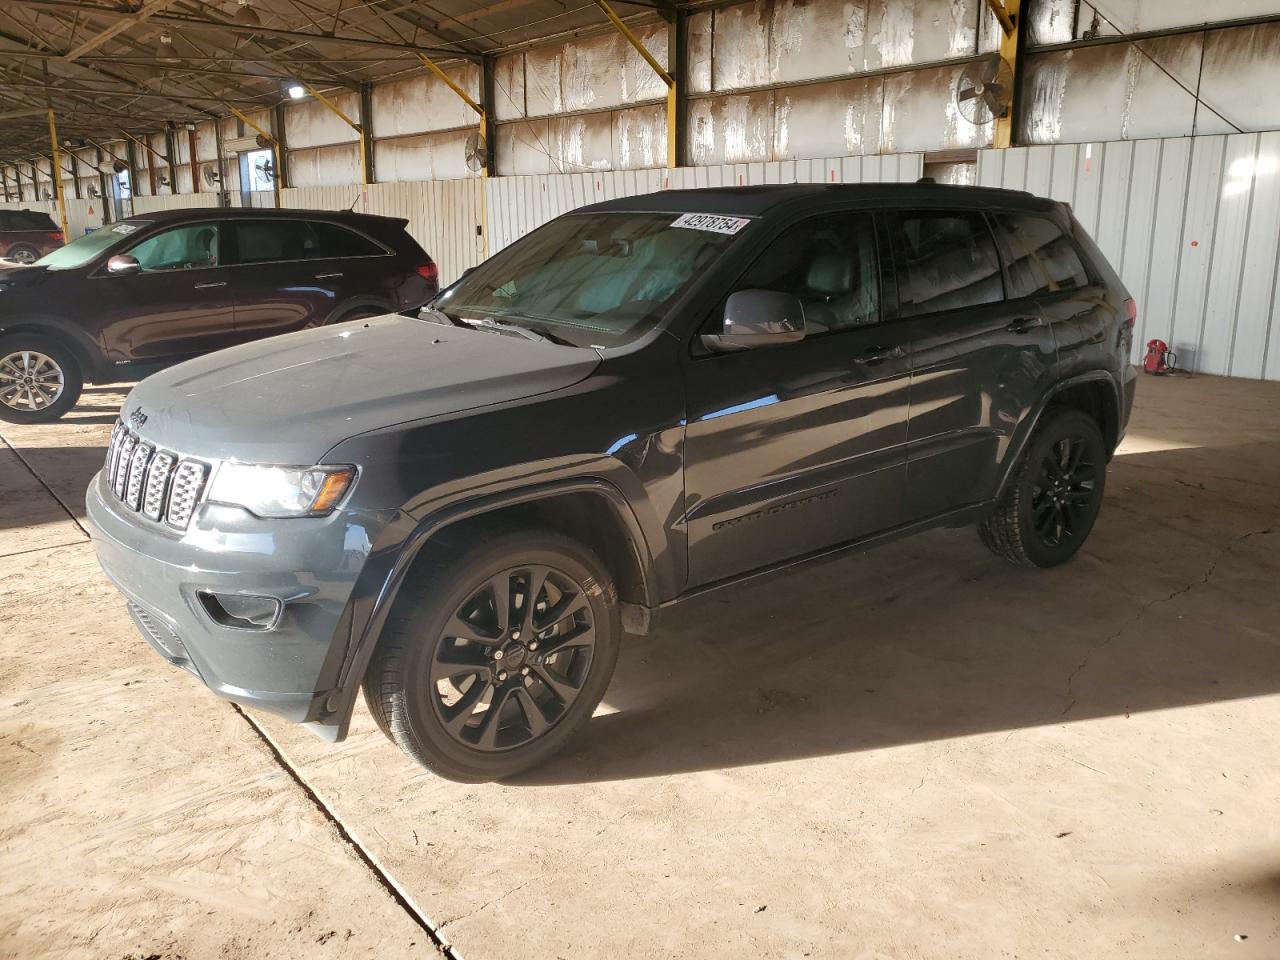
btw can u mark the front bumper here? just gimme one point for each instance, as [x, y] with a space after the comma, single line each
[309, 564]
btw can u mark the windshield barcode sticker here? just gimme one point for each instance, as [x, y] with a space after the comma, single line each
[125, 228]
[707, 221]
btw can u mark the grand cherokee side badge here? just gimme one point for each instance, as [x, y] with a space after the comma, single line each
[137, 418]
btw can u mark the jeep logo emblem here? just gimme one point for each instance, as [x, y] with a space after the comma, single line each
[137, 418]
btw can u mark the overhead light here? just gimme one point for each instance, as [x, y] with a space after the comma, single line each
[246, 16]
[166, 53]
[297, 91]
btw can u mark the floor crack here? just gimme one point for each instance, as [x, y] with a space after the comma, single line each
[489, 903]
[1146, 607]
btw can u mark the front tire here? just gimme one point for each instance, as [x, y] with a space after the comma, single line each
[1052, 500]
[496, 655]
[40, 379]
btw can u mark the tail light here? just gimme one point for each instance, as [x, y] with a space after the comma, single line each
[1130, 312]
[430, 273]
[57, 238]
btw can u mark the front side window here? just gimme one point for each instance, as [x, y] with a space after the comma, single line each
[593, 279]
[829, 264]
[189, 247]
[1042, 258]
[946, 261]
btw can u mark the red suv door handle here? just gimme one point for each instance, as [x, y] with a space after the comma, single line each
[1025, 324]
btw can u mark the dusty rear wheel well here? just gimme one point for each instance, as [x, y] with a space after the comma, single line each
[1097, 399]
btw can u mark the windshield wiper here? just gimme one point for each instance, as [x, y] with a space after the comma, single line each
[540, 334]
[445, 318]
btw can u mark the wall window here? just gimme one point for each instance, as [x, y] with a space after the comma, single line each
[1042, 259]
[946, 261]
[829, 264]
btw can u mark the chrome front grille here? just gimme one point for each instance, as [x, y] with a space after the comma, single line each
[158, 484]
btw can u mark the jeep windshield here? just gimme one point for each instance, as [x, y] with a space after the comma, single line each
[83, 249]
[593, 279]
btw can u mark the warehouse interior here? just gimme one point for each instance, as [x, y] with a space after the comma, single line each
[912, 751]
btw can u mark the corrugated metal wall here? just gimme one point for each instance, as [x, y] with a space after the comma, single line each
[1191, 224]
[517, 205]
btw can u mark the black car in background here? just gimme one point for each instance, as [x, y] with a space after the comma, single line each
[27, 235]
[162, 287]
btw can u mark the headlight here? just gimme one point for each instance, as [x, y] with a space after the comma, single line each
[282, 491]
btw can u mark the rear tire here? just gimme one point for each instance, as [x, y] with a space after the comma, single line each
[40, 379]
[1052, 500]
[23, 253]
[453, 647]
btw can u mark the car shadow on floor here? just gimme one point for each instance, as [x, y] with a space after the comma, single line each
[66, 471]
[1171, 604]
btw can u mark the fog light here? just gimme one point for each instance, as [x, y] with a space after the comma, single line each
[240, 611]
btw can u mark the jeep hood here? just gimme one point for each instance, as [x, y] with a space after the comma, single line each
[291, 398]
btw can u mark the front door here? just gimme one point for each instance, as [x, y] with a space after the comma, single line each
[799, 447]
[978, 361]
[178, 305]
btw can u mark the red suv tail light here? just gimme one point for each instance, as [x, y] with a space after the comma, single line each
[1130, 312]
[430, 273]
[57, 238]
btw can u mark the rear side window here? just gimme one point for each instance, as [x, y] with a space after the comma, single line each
[1042, 259]
[269, 241]
[24, 220]
[336, 241]
[946, 261]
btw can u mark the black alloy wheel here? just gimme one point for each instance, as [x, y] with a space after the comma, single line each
[1051, 501]
[496, 653]
[513, 659]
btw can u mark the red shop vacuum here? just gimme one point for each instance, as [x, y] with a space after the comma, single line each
[1159, 359]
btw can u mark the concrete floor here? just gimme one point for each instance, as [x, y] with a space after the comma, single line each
[915, 752]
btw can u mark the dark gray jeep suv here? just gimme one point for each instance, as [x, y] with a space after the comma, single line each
[642, 400]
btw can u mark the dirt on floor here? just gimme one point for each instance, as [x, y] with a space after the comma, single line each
[918, 751]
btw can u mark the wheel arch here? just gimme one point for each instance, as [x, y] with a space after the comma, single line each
[84, 353]
[590, 509]
[1095, 393]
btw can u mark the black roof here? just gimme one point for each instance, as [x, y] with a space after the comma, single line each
[756, 201]
[233, 213]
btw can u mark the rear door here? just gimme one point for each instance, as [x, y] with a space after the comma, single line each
[1046, 267]
[979, 360]
[178, 305]
[795, 448]
[283, 281]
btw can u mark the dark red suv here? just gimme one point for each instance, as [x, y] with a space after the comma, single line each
[149, 291]
[27, 235]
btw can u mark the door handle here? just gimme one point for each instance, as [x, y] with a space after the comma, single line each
[211, 286]
[879, 354]
[328, 276]
[1025, 324]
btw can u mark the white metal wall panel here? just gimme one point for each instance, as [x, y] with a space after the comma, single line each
[517, 205]
[1193, 227]
[179, 201]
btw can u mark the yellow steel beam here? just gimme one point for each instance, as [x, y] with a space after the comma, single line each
[465, 97]
[357, 127]
[667, 78]
[1008, 13]
[55, 170]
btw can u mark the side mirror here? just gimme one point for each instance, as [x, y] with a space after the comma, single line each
[123, 265]
[758, 318]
